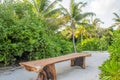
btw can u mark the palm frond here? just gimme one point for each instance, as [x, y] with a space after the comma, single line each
[84, 24]
[43, 5]
[97, 20]
[117, 20]
[84, 15]
[83, 5]
[116, 15]
[72, 7]
[78, 4]
[35, 4]
[64, 10]
[75, 10]
[56, 12]
[52, 5]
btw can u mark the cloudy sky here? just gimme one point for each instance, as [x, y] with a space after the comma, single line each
[103, 9]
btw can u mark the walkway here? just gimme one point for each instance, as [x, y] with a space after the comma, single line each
[64, 71]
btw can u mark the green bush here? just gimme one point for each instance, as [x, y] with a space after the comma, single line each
[65, 45]
[24, 36]
[111, 68]
[21, 33]
[114, 49]
[93, 44]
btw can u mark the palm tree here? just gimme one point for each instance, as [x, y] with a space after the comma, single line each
[46, 10]
[75, 17]
[117, 20]
[43, 8]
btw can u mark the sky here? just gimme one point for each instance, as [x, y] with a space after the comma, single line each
[103, 9]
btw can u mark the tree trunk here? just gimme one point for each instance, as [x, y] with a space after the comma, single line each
[73, 38]
[81, 38]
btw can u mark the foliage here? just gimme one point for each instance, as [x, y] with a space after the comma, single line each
[111, 68]
[75, 16]
[44, 8]
[117, 20]
[64, 45]
[24, 36]
[115, 48]
[93, 44]
[27, 30]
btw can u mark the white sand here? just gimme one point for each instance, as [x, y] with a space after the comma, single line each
[64, 71]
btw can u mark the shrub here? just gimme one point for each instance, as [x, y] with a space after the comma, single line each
[65, 45]
[93, 44]
[111, 68]
[24, 36]
[21, 33]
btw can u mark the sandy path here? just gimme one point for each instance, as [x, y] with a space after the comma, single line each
[64, 71]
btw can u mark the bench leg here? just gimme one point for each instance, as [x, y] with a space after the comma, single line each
[78, 62]
[48, 73]
[42, 76]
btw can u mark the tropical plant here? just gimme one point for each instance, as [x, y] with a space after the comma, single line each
[25, 36]
[75, 17]
[48, 10]
[95, 29]
[117, 20]
[111, 68]
[108, 33]
[44, 8]
[93, 44]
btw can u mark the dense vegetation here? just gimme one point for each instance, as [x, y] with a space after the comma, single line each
[93, 44]
[31, 30]
[24, 36]
[111, 67]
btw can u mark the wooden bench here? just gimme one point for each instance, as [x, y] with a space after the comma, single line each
[46, 68]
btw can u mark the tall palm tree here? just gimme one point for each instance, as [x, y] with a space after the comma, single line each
[75, 17]
[44, 8]
[47, 10]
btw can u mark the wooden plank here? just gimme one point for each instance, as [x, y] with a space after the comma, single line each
[38, 65]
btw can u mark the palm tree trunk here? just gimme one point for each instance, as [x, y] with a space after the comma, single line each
[81, 39]
[73, 38]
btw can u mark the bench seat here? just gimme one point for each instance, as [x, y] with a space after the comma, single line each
[46, 68]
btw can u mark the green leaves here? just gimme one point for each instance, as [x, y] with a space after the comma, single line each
[19, 34]
[25, 36]
[43, 8]
[1, 58]
[93, 44]
[111, 68]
